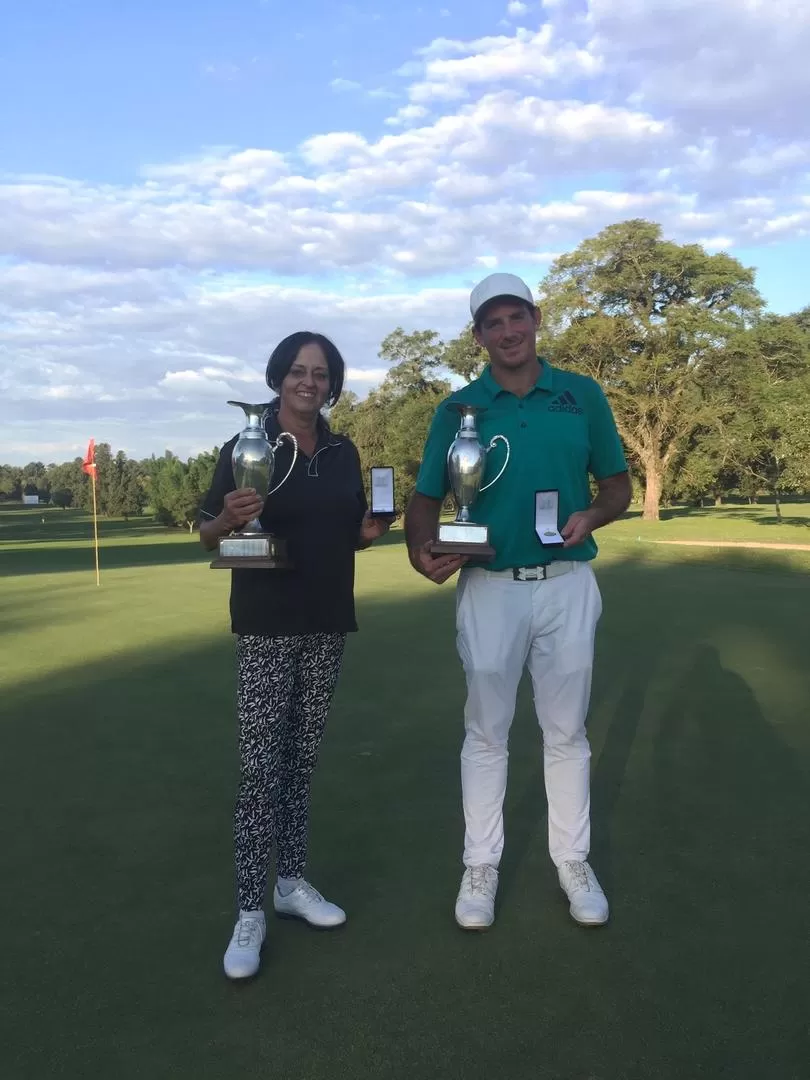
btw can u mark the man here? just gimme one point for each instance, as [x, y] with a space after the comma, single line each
[533, 605]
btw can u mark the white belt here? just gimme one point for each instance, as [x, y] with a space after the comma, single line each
[530, 573]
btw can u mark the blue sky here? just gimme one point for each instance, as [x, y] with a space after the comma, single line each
[182, 184]
[108, 87]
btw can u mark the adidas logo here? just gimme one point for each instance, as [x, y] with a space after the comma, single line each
[565, 402]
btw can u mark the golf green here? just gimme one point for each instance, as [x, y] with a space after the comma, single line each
[118, 774]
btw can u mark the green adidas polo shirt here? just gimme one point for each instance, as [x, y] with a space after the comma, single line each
[561, 432]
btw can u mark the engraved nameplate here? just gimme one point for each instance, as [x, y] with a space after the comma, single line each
[463, 534]
[244, 546]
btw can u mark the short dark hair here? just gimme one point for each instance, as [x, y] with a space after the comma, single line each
[285, 353]
[480, 315]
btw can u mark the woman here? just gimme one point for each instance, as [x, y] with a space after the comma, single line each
[290, 628]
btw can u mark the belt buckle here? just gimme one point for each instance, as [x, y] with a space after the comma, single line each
[529, 573]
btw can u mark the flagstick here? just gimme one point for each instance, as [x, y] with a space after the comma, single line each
[95, 524]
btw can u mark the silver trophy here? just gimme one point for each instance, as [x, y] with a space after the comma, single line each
[254, 463]
[466, 462]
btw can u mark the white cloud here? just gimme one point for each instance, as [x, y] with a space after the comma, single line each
[158, 373]
[136, 309]
[365, 376]
[230, 172]
[323, 149]
[343, 85]
[193, 383]
[729, 62]
[452, 68]
[517, 8]
[348, 207]
[407, 114]
[716, 243]
[760, 163]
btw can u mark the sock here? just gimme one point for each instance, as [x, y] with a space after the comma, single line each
[286, 885]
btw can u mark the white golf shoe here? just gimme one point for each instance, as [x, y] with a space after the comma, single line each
[588, 903]
[305, 902]
[243, 955]
[475, 904]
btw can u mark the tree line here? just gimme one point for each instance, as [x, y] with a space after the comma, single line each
[711, 393]
[168, 487]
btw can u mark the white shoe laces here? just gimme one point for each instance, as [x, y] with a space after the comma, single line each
[248, 933]
[581, 875]
[309, 892]
[481, 879]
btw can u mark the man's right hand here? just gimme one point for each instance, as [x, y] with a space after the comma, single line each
[240, 507]
[437, 568]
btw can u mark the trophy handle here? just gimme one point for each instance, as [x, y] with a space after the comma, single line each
[496, 438]
[294, 441]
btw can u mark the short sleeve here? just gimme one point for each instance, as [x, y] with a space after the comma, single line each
[432, 480]
[607, 453]
[222, 482]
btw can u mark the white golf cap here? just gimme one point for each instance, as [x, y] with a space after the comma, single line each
[498, 285]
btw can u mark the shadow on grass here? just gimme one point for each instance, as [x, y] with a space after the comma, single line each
[45, 540]
[118, 783]
[771, 519]
[742, 512]
[152, 545]
[47, 524]
[48, 559]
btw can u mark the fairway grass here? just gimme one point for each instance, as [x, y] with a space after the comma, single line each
[118, 774]
[727, 523]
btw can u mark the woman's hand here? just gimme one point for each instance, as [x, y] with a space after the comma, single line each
[240, 507]
[372, 528]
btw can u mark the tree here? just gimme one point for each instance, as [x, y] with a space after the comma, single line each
[772, 441]
[68, 482]
[62, 497]
[341, 415]
[415, 359]
[408, 424]
[165, 489]
[694, 477]
[197, 481]
[124, 494]
[760, 391]
[795, 441]
[643, 315]
[464, 356]
[370, 421]
[104, 481]
[176, 489]
[390, 425]
[10, 482]
[34, 480]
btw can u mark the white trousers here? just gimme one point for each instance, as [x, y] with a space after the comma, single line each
[504, 626]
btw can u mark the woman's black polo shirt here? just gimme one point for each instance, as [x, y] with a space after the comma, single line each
[318, 511]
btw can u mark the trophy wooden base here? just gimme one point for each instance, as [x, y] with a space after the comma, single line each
[478, 551]
[255, 552]
[463, 538]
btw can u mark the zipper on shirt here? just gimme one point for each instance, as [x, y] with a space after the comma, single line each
[313, 461]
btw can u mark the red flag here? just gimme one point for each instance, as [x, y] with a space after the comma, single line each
[89, 463]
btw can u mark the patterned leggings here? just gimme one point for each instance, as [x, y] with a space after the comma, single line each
[285, 689]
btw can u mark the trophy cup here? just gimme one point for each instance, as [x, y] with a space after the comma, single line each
[254, 462]
[466, 462]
